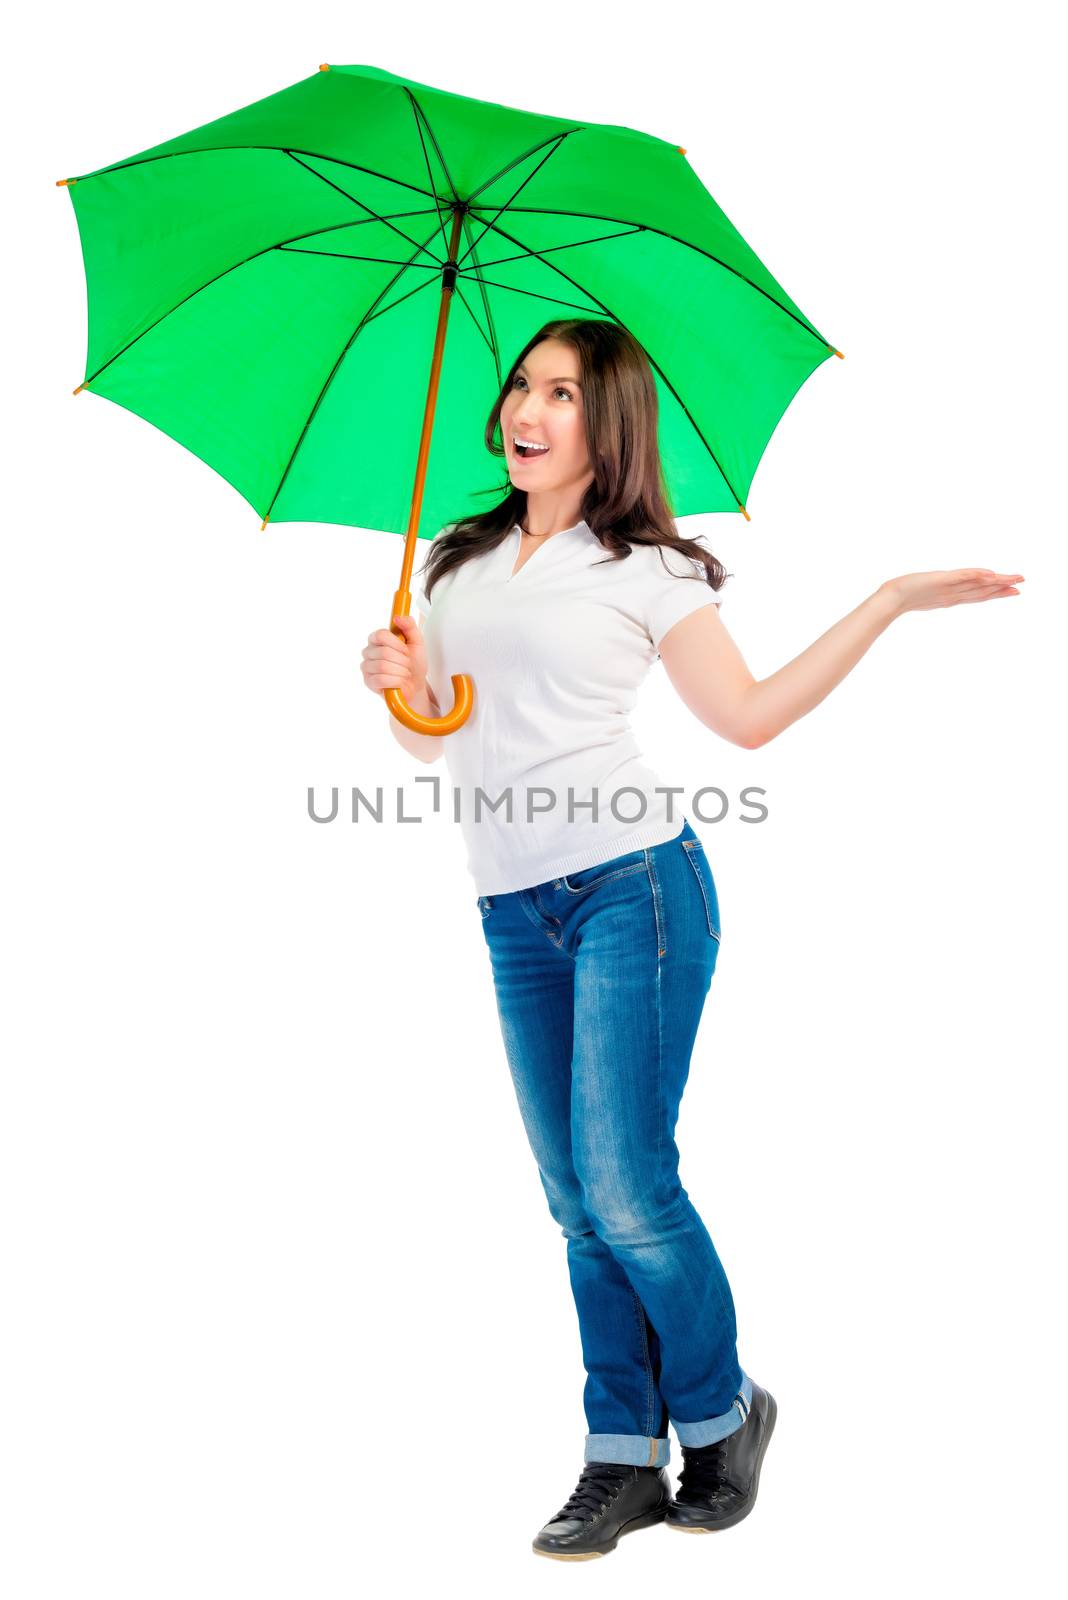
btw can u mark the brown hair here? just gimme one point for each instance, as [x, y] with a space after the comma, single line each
[627, 502]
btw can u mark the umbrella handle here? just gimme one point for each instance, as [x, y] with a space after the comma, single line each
[463, 698]
[463, 690]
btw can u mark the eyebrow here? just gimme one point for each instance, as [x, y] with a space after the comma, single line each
[522, 368]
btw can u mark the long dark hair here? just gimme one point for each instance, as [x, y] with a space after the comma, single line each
[627, 502]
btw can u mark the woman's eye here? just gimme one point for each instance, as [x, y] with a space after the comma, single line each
[557, 390]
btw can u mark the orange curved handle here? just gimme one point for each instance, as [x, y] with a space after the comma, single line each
[463, 698]
[463, 690]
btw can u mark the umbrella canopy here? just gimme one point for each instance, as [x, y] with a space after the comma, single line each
[266, 290]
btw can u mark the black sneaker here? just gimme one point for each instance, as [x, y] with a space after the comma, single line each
[609, 1500]
[718, 1482]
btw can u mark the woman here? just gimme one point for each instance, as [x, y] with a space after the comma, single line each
[603, 925]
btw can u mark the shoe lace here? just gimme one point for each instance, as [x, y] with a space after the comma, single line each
[704, 1470]
[599, 1482]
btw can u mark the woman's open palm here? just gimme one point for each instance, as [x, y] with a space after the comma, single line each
[925, 591]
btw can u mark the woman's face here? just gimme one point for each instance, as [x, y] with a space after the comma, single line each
[545, 407]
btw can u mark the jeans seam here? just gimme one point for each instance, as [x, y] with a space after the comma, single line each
[639, 1311]
[654, 884]
[661, 947]
[704, 891]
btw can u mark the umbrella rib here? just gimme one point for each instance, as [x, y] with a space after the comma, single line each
[647, 227]
[532, 173]
[345, 255]
[369, 209]
[476, 322]
[488, 310]
[515, 161]
[437, 148]
[393, 304]
[278, 245]
[364, 320]
[219, 149]
[574, 244]
[609, 313]
[535, 293]
[416, 113]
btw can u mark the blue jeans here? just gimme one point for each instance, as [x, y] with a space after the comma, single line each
[600, 979]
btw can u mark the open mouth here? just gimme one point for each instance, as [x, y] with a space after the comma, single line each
[528, 449]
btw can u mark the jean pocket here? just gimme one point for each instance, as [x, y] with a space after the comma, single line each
[588, 878]
[695, 854]
[484, 905]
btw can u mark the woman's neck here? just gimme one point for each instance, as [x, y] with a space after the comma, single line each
[547, 516]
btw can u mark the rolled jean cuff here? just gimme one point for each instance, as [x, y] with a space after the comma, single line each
[629, 1449]
[714, 1428]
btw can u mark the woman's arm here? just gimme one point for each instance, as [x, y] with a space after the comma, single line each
[709, 673]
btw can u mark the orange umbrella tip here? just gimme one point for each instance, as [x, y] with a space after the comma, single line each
[682, 149]
[79, 389]
[62, 182]
[839, 354]
[745, 513]
[324, 66]
[265, 521]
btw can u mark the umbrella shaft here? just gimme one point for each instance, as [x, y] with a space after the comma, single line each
[448, 279]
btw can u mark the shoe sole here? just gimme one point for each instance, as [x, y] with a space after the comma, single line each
[736, 1516]
[648, 1519]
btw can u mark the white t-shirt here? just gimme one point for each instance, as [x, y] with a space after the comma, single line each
[557, 652]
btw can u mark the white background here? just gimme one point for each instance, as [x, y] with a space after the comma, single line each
[284, 1301]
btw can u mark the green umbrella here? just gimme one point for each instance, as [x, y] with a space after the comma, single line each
[273, 290]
